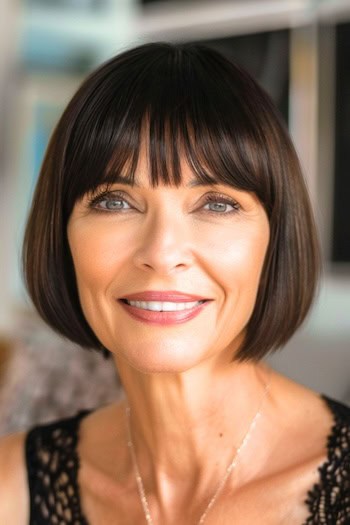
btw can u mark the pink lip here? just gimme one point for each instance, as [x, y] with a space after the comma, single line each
[170, 295]
[162, 318]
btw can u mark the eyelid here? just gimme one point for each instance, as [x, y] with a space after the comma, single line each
[100, 196]
[223, 198]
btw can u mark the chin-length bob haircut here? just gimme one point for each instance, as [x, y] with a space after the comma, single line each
[186, 102]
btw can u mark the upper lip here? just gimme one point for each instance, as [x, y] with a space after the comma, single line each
[169, 295]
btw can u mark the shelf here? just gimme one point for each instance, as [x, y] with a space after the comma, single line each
[194, 21]
[191, 20]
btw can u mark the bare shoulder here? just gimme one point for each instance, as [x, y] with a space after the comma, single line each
[303, 419]
[14, 497]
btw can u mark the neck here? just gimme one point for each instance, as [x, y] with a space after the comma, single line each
[178, 420]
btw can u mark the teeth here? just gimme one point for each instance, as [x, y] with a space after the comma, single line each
[163, 306]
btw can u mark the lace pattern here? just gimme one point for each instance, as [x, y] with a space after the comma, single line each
[329, 500]
[53, 464]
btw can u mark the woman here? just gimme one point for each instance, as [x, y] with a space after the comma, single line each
[171, 229]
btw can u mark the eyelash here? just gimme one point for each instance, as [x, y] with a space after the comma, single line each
[118, 196]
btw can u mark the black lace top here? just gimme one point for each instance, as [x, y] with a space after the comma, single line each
[53, 463]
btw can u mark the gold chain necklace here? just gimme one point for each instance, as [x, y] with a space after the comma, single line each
[222, 482]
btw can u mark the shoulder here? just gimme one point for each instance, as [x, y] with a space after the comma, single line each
[50, 449]
[31, 464]
[331, 494]
[54, 436]
[338, 444]
[14, 496]
[316, 433]
[340, 411]
[52, 468]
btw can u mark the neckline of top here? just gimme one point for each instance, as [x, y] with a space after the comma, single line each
[336, 408]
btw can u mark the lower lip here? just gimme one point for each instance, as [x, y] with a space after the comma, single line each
[163, 318]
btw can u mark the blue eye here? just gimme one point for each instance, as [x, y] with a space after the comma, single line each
[109, 202]
[218, 205]
[112, 204]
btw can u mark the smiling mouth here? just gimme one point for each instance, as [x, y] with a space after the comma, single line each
[163, 306]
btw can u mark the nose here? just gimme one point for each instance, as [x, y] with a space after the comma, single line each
[165, 244]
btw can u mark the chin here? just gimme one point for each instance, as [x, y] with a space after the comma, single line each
[160, 360]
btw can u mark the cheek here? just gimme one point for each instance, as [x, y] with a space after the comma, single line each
[237, 258]
[237, 268]
[99, 255]
[96, 255]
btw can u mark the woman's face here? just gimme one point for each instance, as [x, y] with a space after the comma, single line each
[137, 239]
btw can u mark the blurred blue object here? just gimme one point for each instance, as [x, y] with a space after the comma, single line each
[45, 117]
[67, 35]
[71, 4]
[44, 50]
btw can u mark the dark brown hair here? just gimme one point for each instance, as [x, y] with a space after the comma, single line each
[187, 100]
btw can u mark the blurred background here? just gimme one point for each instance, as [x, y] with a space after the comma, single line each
[298, 50]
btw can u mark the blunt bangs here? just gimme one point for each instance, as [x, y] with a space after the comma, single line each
[182, 102]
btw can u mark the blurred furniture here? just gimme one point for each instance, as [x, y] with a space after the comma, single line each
[48, 378]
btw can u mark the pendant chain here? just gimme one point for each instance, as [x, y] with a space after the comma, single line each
[223, 481]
